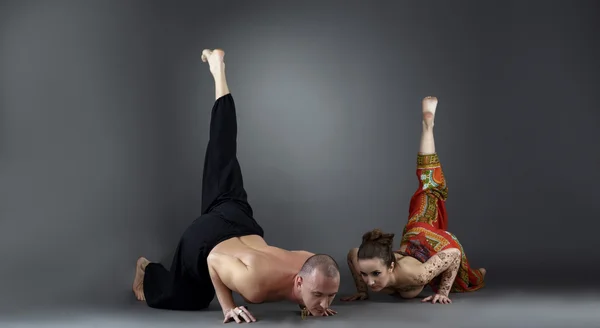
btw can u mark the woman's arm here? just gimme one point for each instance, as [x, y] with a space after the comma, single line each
[361, 286]
[448, 276]
[445, 263]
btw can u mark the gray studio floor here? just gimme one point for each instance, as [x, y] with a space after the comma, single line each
[486, 308]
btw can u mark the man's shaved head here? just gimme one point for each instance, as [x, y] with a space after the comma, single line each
[323, 263]
[318, 282]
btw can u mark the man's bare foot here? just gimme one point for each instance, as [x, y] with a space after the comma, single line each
[215, 59]
[483, 271]
[138, 281]
[429, 107]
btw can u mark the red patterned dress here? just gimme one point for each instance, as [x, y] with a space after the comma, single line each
[425, 233]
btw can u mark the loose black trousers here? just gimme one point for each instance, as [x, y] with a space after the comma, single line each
[226, 213]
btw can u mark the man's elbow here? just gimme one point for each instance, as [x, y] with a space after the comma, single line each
[212, 262]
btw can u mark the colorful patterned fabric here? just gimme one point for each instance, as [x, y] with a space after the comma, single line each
[425, 233]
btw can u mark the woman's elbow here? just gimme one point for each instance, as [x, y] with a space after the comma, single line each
[453, 252]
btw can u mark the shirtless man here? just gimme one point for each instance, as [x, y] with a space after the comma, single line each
[223, 251]
[428, 254]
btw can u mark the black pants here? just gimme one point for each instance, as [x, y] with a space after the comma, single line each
[225, 214]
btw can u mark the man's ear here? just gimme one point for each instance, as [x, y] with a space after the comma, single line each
[298, 281]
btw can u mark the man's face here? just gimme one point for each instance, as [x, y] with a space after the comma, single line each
[375, 273]
[318, 291]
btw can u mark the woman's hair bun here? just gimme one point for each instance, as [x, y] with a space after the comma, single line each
[379, 237]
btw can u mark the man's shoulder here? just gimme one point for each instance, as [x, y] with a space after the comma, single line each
[302, 255]
[305, 253]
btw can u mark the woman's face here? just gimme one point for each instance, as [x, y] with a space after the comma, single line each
[375, 273]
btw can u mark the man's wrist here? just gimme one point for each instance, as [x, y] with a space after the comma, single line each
[227, 309]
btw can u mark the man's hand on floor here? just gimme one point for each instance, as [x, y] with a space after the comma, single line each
[239, 314]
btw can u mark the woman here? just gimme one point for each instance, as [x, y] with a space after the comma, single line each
[428, 254]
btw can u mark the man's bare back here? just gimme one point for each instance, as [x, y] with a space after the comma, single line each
[258, 272]
[261, 273]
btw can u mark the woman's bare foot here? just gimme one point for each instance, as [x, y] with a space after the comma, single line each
[429, 107]
[483, 271]
[215, 59]
[138, 281]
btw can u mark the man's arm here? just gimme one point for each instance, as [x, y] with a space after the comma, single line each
[446, 263]
[224, 294]
[224, 272]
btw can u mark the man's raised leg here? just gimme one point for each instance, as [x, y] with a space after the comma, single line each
[176, 288]
[222, 175]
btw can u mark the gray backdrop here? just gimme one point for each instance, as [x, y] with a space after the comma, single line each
[104, 111]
